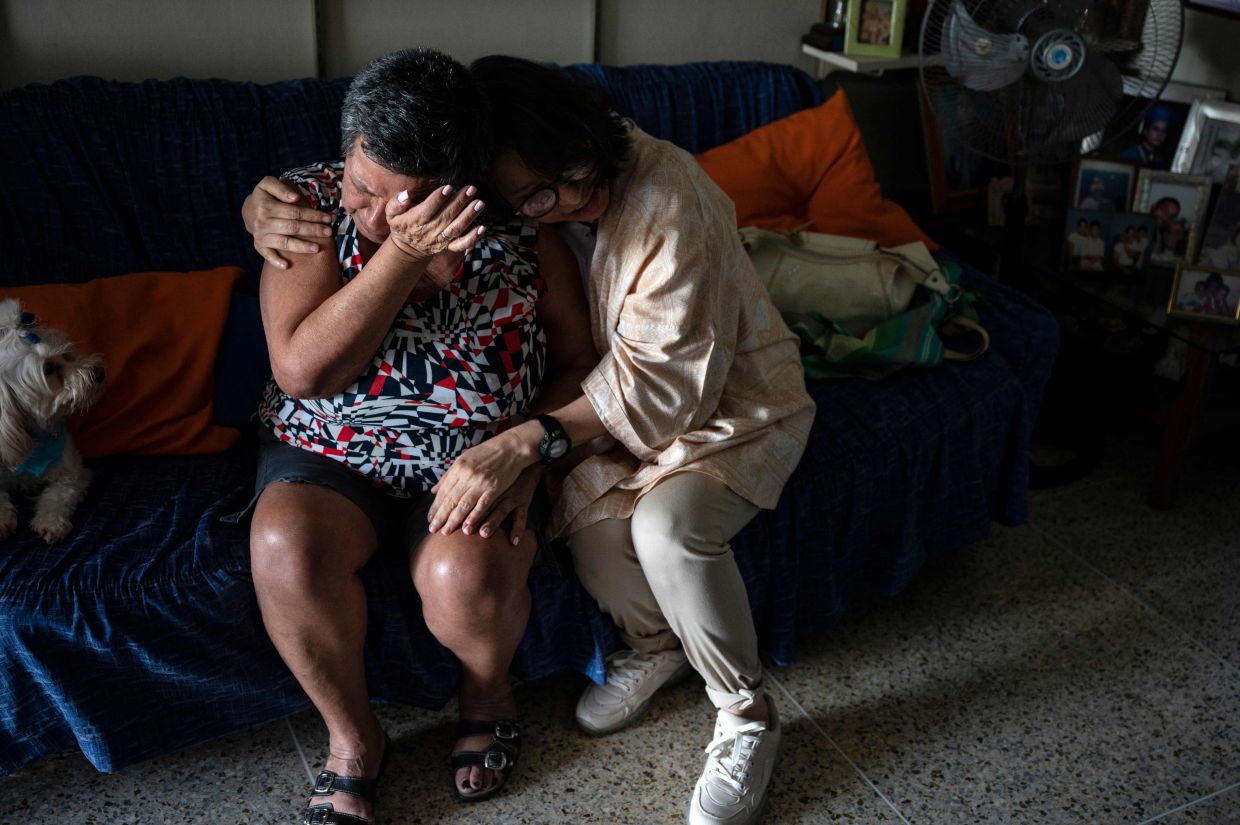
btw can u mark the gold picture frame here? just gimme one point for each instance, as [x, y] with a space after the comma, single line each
[1203, 294]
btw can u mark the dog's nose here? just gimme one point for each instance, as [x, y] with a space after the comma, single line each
[98, 374]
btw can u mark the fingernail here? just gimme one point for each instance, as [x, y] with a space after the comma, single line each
[467, 530]
[471, 191]
[486, 532]
[478, 206]
[482, 230]
[447, 190]
[403, 197]
[516, 539]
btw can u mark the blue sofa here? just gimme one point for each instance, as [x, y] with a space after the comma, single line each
[139, 634]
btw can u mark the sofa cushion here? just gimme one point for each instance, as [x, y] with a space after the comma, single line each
[158, 333]
[810, 166]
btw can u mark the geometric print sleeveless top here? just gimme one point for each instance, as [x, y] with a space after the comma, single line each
[452, 371]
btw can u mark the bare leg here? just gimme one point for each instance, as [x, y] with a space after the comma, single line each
[476, 601]
[307, 543]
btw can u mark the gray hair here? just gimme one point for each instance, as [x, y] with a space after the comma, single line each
[421, 114]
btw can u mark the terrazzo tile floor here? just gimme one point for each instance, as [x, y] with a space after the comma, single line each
[1084, 668]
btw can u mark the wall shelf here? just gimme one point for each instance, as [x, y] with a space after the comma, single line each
[838, 61]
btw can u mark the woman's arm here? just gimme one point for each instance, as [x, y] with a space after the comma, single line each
[565, 318]
[321, 335]
[662, 377]
[486, 476]
[273, 215]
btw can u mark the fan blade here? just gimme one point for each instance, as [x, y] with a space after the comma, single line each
[981, 59]
[1058, 115]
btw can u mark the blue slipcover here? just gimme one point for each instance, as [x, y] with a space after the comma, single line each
[140, 634]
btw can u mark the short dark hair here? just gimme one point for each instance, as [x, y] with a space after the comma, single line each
[421, 114]
[554, 121]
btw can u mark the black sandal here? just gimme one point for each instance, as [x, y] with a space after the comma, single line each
[329, 782]
[501, 755]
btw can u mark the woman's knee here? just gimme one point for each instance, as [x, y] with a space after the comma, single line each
[665, 539]
[467, 576]
[290, 547]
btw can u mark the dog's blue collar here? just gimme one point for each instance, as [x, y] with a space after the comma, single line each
[46, 453]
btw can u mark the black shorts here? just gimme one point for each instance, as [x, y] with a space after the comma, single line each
[398, 520]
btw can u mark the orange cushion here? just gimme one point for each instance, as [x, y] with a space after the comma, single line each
[158, 333]
[809, 166]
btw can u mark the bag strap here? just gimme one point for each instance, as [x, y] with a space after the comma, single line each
[932, 279]
[960, 324]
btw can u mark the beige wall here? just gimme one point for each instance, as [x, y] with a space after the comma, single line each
[1210, 55]
[354, 33]
[266, 40]
[684, 31]
[45, 40]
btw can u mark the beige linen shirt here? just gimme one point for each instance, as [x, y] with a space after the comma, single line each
[698, 371]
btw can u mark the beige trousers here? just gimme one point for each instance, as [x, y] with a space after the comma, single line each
[668, 578]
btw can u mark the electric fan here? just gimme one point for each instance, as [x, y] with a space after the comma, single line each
[1032, 80]
[1035, 81]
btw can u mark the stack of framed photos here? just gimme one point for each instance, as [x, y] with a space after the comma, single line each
[1166, 195]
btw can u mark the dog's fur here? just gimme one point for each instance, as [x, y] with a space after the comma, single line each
[40, 384]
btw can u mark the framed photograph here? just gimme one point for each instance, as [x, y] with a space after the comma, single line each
[1211, 140]
[1103, 185]
[1220, 248]
[1204, 295]
[1152, 141]
[959, 178]
[875, 28]
[1178, 204]
[1117, 242]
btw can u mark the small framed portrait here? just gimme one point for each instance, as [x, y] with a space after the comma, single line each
[1103, 185]
[1205, 294]
[1129, 241]
[1116, 242]
[1178, 204]
[1211, 140]
[875, 28]
[1152, 141]
[1220, 248]
[1085, 234]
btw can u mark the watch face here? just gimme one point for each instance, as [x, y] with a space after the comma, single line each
[557, 448]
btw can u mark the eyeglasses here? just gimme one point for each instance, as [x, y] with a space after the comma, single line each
[544, 200]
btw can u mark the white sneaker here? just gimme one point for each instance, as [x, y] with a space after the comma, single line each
[739, 764]
[631, 681]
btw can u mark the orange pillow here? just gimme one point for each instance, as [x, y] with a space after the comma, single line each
[809, 166]
[158, 333]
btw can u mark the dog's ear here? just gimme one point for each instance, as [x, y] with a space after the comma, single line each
[10, 314]
[16, 443]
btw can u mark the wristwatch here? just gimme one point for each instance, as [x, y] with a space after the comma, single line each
[555, 443]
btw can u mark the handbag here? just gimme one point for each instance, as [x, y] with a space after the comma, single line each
[862, 309]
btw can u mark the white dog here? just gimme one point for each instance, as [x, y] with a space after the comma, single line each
[42, 380]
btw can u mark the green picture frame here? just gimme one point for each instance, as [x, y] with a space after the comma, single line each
[869, 23]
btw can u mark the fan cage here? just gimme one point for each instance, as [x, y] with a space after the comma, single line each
[980, 79]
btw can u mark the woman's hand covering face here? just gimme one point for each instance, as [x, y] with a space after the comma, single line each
[442, 221]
